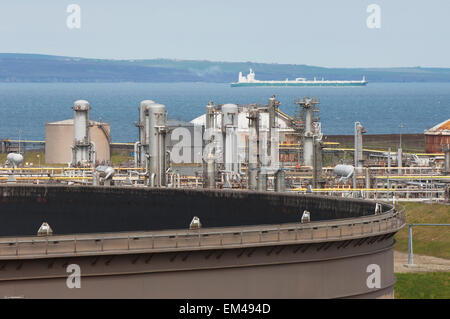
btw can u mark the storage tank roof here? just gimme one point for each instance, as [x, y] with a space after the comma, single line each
[440, 129]
[70, 122]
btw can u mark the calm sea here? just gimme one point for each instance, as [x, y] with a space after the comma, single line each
[380, 107]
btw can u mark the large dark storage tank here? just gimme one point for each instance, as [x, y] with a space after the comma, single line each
[75, 209]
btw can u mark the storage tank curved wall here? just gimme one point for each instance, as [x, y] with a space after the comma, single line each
[251, 244]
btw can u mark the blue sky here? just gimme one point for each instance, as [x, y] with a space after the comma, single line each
[321, 32]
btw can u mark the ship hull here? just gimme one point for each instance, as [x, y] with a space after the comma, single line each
[298, 84]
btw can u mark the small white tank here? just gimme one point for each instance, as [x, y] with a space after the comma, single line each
[342, 170]
[106, 172]
[306, 217]
[14, 159]
[195, 223]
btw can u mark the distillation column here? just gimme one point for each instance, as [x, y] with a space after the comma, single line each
[157, 129]
[254, 163]
[82, 147]
[209, 163]
[309, 107]
[359, 161]
[143, 145]
[229, 131]
[317, 167]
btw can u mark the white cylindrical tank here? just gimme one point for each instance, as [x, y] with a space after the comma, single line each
[14, 159]
[342, 170]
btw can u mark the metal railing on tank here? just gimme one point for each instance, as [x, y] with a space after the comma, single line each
[203, 238]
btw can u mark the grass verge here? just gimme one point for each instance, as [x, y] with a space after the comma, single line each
[431, 285]
[429, 241]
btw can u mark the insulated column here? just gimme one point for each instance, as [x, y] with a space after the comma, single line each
[253, 148]
[157, 128]
[209, 164]
[229, 131]
[81, 142]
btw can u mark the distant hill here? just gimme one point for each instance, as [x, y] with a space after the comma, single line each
[48, 68]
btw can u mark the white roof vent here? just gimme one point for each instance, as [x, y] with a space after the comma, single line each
[378, 208]
[306, 217]
[45, 230]
[195, 223]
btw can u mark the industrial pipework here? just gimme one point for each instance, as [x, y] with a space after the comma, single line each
[83, 151]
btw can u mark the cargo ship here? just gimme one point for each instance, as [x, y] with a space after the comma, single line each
[249, 80]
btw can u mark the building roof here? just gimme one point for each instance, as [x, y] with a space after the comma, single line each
[70, 122]
[283, 120]
[440, 129]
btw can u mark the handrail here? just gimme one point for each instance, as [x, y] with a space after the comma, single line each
[202, 238]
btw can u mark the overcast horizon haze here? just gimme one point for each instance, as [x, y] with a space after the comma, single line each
[316, 33]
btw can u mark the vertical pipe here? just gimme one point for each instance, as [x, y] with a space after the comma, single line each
[229, 131]
[261, 180]
[447, 159]
[253, 148]
[317, 163]
[280, 181]
[209, 165]
[358, 152]
[388, 172]
[144, 132]
[157, 128]
[367, 178]
[308, 138]
[399, 160]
